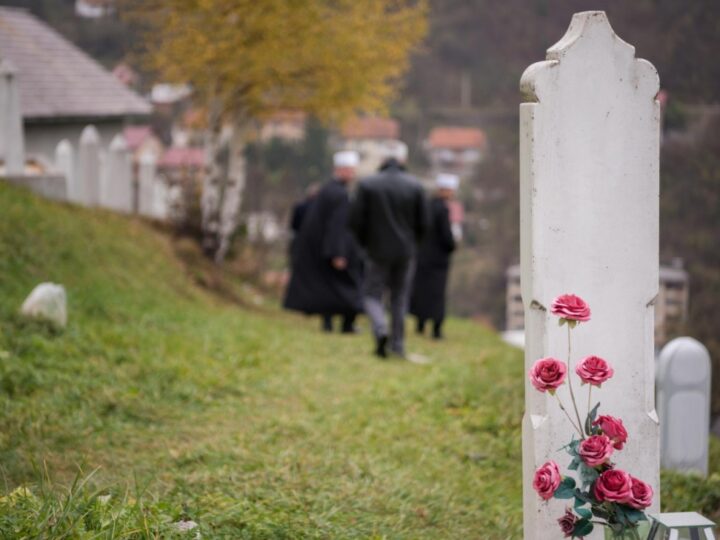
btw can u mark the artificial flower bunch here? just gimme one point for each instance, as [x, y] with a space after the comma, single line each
[605, 494]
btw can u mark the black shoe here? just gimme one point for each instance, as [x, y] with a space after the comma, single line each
[381, 349]
[349, 330]
[327, 325]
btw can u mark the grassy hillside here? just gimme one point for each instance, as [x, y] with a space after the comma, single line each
[248, 421]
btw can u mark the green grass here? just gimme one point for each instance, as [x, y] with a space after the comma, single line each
[248, 421]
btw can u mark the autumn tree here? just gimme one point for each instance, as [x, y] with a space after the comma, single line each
[248, 58]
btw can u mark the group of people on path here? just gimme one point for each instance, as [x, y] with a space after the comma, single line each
[348, 252]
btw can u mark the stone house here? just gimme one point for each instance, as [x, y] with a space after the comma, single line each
[371, 137]
[455, 149]
[62, 89]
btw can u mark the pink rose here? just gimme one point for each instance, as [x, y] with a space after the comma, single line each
[547, 374]
[570, 307]
[642, 494]
[613, 485]
[613, 428]
[596, 450]
[594, 370]
[547, 480]
[567, 522]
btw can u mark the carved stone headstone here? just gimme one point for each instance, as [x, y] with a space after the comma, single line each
[12, 139]
[589, 139]
[88, 168]
[683, 400]
[117, 188]
[65, 165]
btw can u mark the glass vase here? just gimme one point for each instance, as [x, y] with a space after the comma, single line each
[641, 533]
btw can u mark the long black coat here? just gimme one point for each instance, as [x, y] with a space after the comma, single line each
[428, 295]
[389, 215]
[315, 285]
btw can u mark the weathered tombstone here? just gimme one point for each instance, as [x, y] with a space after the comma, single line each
[147, 169]
[65, 164]
[47, 301]
[88, 168]
[116, 191]
[683, 398]
[589, 139]
[12, 139]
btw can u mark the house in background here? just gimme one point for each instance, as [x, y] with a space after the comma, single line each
[287, 126]
[142, 140]
[371, 137]
[455, 149]
[62, 89]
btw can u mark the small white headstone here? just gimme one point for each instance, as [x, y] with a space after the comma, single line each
[147, 171]
[65, 164]
[683, 401]
[88, 168]
[47, 301]
[12, 139]
[117, 190]
[589, 139]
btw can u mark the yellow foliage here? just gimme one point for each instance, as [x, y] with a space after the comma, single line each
[247, 58]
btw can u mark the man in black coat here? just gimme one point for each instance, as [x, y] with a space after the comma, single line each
[389, 219]
[428, 296]
[327, 267]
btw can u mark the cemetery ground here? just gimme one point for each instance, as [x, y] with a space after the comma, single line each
[182, 405]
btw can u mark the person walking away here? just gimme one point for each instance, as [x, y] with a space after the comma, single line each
[298, 215]
[389, 218]
[327, 266]
[427, 301]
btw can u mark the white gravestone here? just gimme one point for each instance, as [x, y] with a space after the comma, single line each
[147, 171]
[65, 165]
[589, 139]
[12, 140]
[88, 168]
[683, 397]
[117, 190]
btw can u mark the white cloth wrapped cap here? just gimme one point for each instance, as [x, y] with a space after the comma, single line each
[447, 181]
[346, 158]
[396, 150]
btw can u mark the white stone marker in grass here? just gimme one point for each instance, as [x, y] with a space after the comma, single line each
[147, 172]
[12, 138]
[117, 181]
[65, 164]
[589, 136]
[88, 168]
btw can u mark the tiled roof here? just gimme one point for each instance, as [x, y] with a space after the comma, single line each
[456, 137]
[136, 135]
[57, 79]
[176, 156]
[371, 127]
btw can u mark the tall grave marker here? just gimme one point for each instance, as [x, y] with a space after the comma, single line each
[589, 139]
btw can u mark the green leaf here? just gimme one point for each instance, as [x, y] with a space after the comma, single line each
[585, 513]
[587, 475]
[566, 489]
[574, 464]
[582, 528]
[591, 418]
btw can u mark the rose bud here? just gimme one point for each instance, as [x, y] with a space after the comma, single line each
[613, 428]
[613, 485]
[567, 522]
[547, 374]
[547, 480]
[571, 308]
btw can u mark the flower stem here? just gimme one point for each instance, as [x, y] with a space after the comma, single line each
[589, 399]
[572, 394]
[572, 423]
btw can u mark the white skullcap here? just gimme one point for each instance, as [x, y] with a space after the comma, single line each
[346, 158]
[396, 150]
[447, 181]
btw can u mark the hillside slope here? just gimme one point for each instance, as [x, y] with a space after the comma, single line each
[253, 424]
[250, 422]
